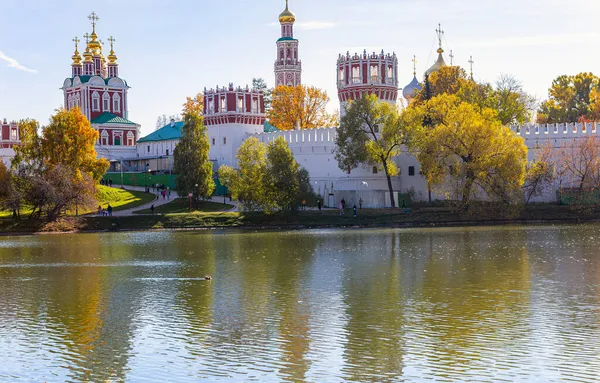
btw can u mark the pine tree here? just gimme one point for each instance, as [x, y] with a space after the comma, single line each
[191, 159]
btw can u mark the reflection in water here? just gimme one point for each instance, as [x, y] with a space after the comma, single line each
[464, 305]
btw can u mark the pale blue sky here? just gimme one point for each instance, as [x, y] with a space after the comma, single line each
[169, 49]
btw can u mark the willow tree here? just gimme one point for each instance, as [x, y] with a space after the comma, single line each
[303, 106]
[467, 150]
[190, 158]
[371, 133]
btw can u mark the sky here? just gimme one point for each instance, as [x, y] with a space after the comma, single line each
[170, 49]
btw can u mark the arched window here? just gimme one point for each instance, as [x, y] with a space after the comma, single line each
[70, 102]
[374, 169]
[130, 138]
[222, 104]
[355, 75]
[106, 102]
[104, 138]
[254, 105]
[116, 103]
[95, 102]
[240, 104]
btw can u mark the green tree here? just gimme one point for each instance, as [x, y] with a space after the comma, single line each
[248, 183]
[261, 84]
[513, 104]
[467, 151]
[305, 188]
[191, 161]
[281, 177]
[570, 98]
[371, 133]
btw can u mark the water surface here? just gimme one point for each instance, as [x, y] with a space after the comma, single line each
[513, 304]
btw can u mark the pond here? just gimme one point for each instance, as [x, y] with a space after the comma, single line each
[514, 304]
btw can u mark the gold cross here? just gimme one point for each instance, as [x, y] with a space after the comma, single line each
[471, 62]
[76, 41]
[87, 38]
[440, 33]
[451, 57]
[111, 40]
[93, 18]
[414, 60]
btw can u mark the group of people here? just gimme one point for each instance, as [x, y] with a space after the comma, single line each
[164, 190]
[108, 182]
[105, 212]
[342, 206]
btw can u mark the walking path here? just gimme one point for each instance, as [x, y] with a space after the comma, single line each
[159, 201]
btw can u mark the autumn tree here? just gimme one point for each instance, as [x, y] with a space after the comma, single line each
[467, 150]
[248, 183]
[261, 84]
[571, 98]
[371, 133]
[303, 106]
[508, 98]
[190, 158]
[281, 176]
[580, 162]
[59, 169]
[193, 105]
[540, 175]
[267, 178]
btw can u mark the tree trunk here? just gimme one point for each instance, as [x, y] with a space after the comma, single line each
[389, 181]
[470, 180]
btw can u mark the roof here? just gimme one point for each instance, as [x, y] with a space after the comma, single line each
[166, 133]
[109, 118]
[268, 128]
[411, 89]
[286, 39]
[85, 78]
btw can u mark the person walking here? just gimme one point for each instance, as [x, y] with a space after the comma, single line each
[109, 209]
[341, 207]
[360, 202]
[354, 210]
[319, 205]
[168, 192]
[152, 209]
[303, 204]
[343, 203]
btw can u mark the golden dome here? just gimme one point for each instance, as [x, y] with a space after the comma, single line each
[438, 64]
[76, 56]
[87, 55]
[287, 16]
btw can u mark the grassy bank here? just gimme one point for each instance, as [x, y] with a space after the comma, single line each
[119, 199]
[182, 206]
[314, 219]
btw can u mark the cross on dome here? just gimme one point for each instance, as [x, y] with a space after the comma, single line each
[87, 38]
[451, 57]
[440, 33]
[414, 60]
[76, 41]
[94, 19]
[471, 62]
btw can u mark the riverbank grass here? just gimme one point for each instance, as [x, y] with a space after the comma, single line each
[119, 199]
[182, 206]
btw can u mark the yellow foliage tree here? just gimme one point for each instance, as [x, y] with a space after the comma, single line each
[194, 105]
[300, 105]
[467, 151]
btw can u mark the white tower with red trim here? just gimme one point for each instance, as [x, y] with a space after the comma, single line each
[367, 73]
[288, 67]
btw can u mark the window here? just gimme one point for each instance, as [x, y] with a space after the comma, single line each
[222, 104]
[374, 73]
[355, 75]
[376, 128]
[374, 169]
[116, 103]
[211, 106]
[254, 106]
[411, 170]
[104, 138]
[390, 72]
[106, 102]
[130, 139]
[240, 104]
[148, 148]
[213, 141]
[13, 134]
[224, 140]
[167, 152]
[117, 140]
[95, 102]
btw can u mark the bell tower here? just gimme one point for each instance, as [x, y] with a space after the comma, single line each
[288, 68]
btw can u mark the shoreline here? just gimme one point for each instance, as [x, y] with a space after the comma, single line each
[300, 227]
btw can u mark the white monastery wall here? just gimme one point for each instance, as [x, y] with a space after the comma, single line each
[314, 150]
